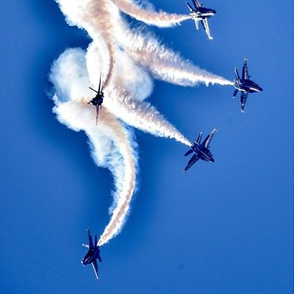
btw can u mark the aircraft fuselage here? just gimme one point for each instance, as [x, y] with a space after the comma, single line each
[98, 100]
[202, 13]
[202, 152]
[91, 256]
[247, 86]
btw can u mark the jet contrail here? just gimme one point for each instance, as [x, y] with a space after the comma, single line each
[149, 16]
[69, 74]
[143, 116]
[105, 27]
[112, 144]
[163, 62]
[127, 59]
[83, 13]
[112, 147]
[125, 104]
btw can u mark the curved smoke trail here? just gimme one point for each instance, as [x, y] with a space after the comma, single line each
[69, 74]
[149, 16]
[112, 144]
[111, 148]
[83, 14]
[125, 57]
[105, 27]
[123, 99]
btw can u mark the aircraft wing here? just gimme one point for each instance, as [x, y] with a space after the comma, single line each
[93, 89]
[88, 254]
[243, 100]
[206, 28]
[245, 75]
[95, 268]
[207, 140]
[90, 240]
[194, 158]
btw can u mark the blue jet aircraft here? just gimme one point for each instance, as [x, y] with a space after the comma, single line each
[93, 254]
[200, 13]
[98, 99]
[245, 85]
[201, 150]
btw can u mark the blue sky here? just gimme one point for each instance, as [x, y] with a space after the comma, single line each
[225, 227]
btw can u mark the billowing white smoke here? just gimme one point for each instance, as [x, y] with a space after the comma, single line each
[83, 13]
[112, 144]
[126, 57]
[131, 85]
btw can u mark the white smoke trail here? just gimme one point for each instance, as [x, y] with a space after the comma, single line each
[112, 148]
[112, 144]
[149, 16]
[123, 57]
[163, 62]
[84, 15]
[143, 116]
[125, 103]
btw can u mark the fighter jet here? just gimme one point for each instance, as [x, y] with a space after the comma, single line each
[93, 254]
[245, 85]
[200, 13]
[201, 150]
[98, 99]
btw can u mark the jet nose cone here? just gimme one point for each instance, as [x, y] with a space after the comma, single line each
[213, 11]
[260, 89]
[211, 160]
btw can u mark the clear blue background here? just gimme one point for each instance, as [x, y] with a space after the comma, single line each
[225, 227]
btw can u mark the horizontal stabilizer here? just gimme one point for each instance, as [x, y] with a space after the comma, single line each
[235, 93]
[188, 152]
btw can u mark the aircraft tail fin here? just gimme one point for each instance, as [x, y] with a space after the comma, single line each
[100, 83]
[190, 7]
[237, 76]
[199, 138]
